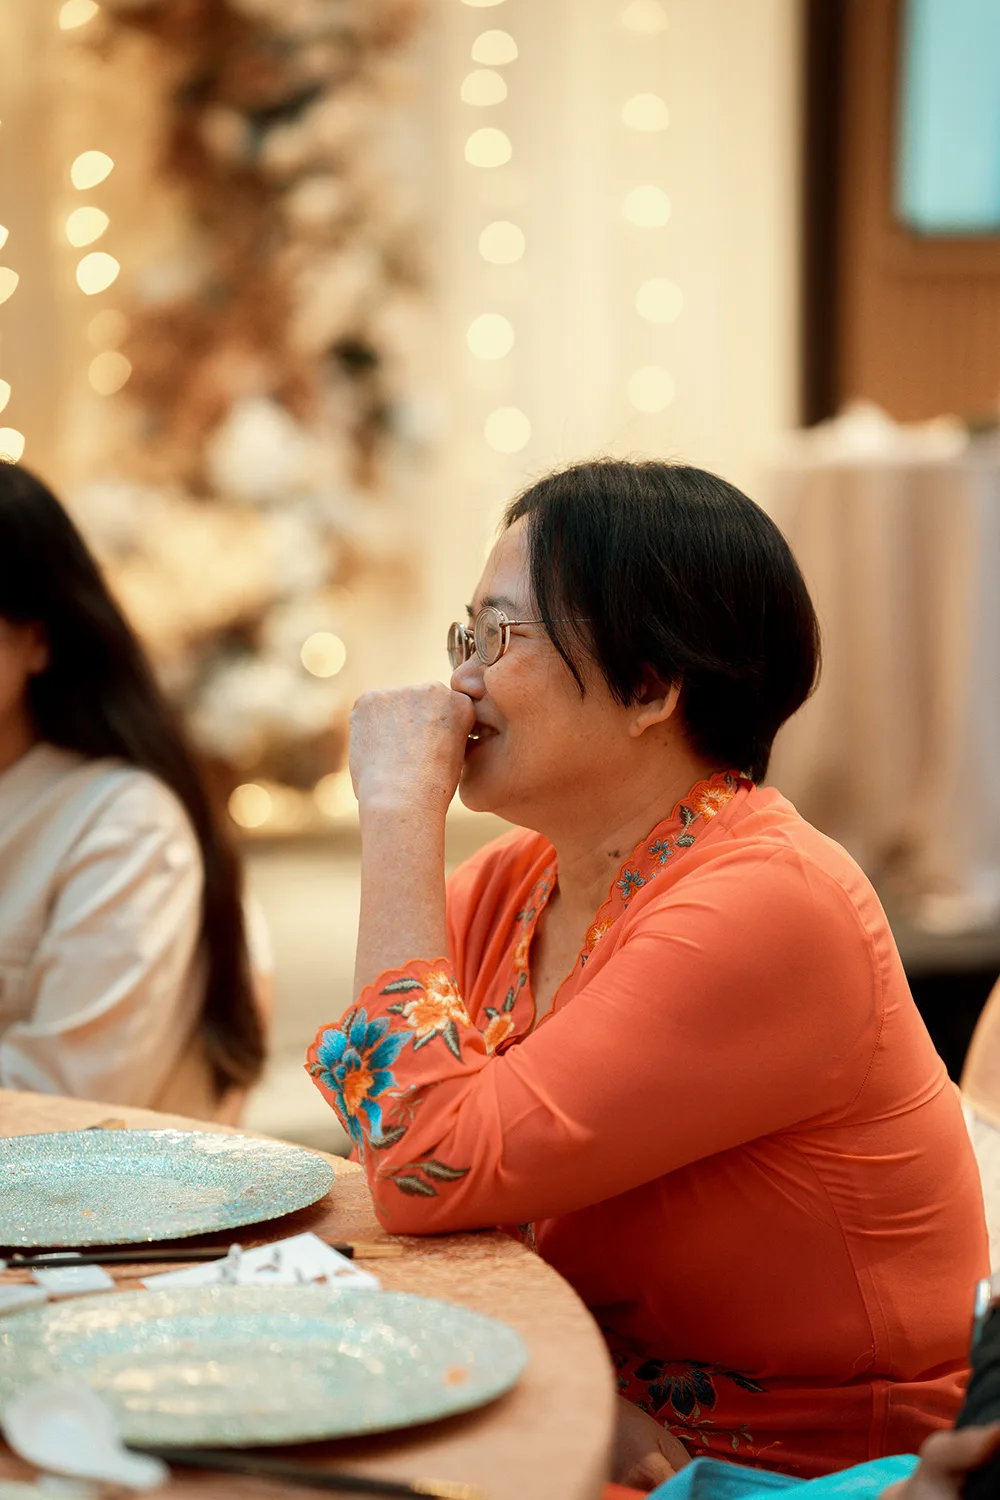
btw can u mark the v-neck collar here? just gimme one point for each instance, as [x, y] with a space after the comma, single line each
[669, 840]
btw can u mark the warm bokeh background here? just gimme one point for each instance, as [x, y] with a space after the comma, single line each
[296, 293]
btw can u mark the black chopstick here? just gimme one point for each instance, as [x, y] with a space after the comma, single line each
[54, 1259]
[307, 1474]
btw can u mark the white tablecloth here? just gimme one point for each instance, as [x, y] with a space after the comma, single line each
[898, 753]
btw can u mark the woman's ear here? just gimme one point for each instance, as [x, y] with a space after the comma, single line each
[656, 704]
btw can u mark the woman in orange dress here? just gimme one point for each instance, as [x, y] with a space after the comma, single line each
[660, 1030]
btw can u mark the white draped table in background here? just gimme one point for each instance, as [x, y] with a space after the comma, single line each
[897, 756]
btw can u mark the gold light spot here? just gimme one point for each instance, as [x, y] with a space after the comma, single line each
[107, 329]
[76, 13]
[483, 87]
[501, 243]
[85, 225]
[659, 300]
[646, 16]
[250, 805]
[490, 336]
[647, 207]
[90, 168]
[4, 232]
[8, 282]
[324, 654]
[4, 394]
[645, 112]
[494, 49]
[96, 272]
[651, 389]
[507, 429]
[11, 445]
[488, 147]
[108, 372]
[334, 795]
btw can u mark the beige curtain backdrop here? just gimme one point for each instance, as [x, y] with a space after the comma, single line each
[896, 755]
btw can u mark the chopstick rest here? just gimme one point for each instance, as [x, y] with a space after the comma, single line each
[307, 1474]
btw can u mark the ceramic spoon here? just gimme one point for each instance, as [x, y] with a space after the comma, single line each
[63, 1426]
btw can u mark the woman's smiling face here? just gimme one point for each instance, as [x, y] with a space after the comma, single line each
[539, 742]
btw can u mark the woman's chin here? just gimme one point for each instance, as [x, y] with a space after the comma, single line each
[475, 791]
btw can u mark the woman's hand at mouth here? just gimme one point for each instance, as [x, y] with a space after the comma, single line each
[408, 745]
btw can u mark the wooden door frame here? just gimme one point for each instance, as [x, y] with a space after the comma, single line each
[830, 141]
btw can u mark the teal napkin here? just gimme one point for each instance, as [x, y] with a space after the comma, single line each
[706, 1479]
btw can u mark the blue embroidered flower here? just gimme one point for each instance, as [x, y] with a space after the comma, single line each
[629, 882]
[354, 1062]
[661, 850]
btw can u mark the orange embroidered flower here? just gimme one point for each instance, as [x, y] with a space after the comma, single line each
[432, 1008]
[523, 949]
[356, 1088]
[596, 931]
[499, 1029]
[711, 800]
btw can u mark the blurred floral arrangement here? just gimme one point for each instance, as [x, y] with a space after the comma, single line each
[270, 340]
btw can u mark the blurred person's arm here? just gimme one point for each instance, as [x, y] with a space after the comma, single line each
[115, 986]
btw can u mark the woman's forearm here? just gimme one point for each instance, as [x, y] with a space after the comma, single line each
[402, 890]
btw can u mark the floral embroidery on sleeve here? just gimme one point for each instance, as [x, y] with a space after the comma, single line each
[500, 1023]
[418, 1178]
[435, 1008]
[377, 1086]
[354, 1064]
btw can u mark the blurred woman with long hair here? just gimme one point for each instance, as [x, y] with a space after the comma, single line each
[124, 974]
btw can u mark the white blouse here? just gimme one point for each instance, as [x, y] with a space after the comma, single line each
[101, 981]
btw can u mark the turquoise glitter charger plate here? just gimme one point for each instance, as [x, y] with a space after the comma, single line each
[125, 1187]
[236, 1366]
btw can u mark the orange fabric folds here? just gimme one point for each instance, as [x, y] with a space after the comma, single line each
[732, 1134]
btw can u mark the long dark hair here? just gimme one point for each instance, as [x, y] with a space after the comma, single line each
[663, 566]
[97, 696]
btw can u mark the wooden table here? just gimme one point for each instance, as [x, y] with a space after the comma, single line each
[549, 1438]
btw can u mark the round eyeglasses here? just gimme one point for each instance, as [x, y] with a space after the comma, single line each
[489, 637]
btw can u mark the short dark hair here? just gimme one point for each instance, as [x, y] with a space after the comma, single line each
[666, 568]
[97, 696]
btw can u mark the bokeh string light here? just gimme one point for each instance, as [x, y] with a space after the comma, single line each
[483, 87]
[645, 16]
[77, 13]
[85, 225]
[645, 112]
[109, 370]
[647, 207]
[89, 169]
[324, 654]
[250, 805]
[488, 147]
[491, 336]
[658, 300]
[11, 439]
[96, 272]
[502, 243]
[507, 430]
[494, 49]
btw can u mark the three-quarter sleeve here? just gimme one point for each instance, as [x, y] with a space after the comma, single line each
[705, 1026]
[115, 981]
